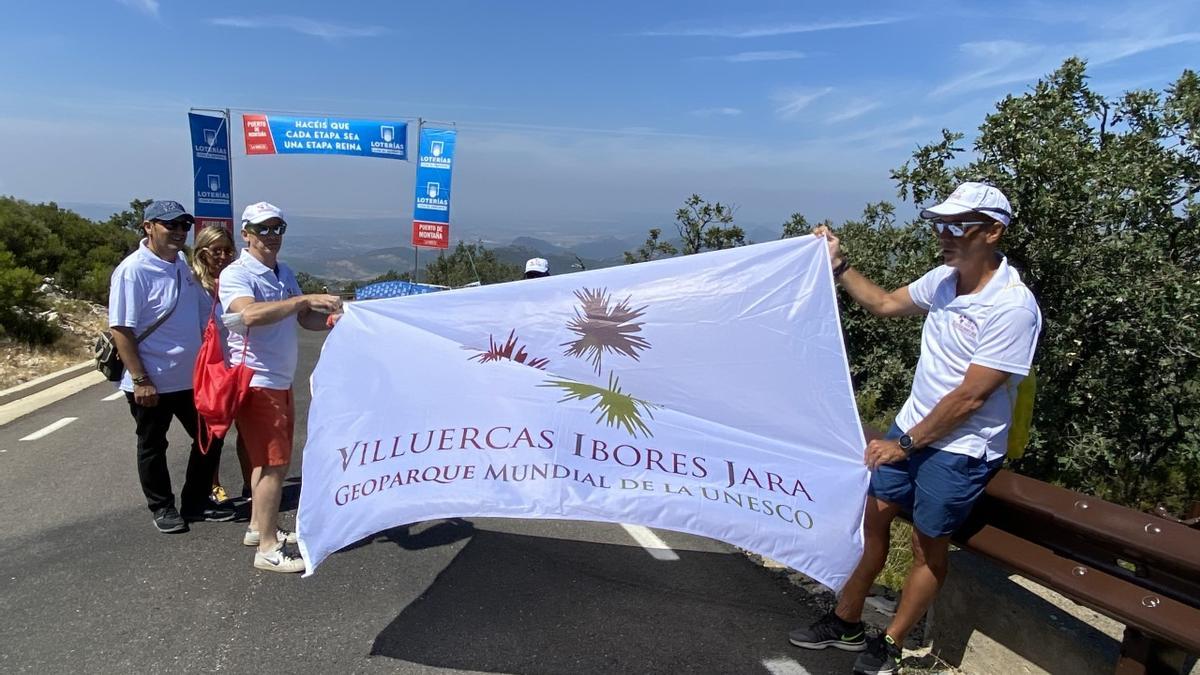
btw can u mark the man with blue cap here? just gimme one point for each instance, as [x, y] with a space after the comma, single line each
[154, 313]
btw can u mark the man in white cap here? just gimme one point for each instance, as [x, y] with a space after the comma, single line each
[537, 267]
[259, 297]
[950, 437]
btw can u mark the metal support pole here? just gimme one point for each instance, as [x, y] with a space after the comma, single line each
[229, 166]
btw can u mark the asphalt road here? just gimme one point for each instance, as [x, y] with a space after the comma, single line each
[88, 584]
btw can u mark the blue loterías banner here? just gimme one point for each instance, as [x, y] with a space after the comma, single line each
[431, 212]
[276, 134]
[210, 166]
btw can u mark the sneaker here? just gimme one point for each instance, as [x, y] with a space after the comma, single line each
[218, 495]
[285, 558]
[212, 513]
[831, 631]
[168, 520]
[881, 658]
[251, 538]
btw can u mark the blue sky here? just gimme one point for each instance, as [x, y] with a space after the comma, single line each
[574, 117]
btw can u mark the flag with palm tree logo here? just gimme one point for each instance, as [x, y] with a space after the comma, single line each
[707, 394]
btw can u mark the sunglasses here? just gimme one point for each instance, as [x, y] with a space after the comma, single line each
[957, 229]
[267, 230]
[178, 225]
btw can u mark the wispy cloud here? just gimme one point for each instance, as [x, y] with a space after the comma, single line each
[768, 30]
[854, 109]
[299, 24]
[717, 112]
[1005, 62]
[147, 6]
[751, 57]
[792, 101]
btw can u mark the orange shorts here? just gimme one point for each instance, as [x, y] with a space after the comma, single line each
[265, 423]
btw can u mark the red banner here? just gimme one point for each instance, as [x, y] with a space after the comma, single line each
[257, 133]
[431, 235]
[204, 221]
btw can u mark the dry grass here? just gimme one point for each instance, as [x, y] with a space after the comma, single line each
[80, 322]
[899, 557]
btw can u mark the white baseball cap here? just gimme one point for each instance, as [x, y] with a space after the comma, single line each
[260, 212]
[977, 197]
[537, 265]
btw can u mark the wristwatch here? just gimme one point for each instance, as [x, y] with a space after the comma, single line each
[906, 443]
[140, 379]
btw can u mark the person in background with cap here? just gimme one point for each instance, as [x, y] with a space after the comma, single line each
[950, 437]
[154, 310]
[259, 296]
[537, 267]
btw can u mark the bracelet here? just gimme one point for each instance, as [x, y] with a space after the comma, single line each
[841, 268]
[139, 380]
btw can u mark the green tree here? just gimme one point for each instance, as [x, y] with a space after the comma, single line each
[20, 303]
[132, 218]
[707, 227]
[310, 284]
[653, 248]
[58, 243]
[1106, 235]
[467, 264]
[797, 225]
[392, 275]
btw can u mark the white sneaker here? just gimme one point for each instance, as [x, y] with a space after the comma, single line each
[252, 538]
[284, 558]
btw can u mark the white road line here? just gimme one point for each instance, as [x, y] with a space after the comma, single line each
[46, 431]
[27, 404]
[656, 547]
[784, 666]
[115, 395]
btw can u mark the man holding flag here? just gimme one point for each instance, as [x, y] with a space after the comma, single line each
[950, 437]
[260, 294]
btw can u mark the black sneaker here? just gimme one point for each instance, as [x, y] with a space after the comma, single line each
[831, 631]
[881, 658]
[168, 520]
[213, 513]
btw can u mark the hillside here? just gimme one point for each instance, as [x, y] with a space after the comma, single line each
[344, 261]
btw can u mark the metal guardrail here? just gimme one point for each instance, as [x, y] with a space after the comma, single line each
[1139, 569]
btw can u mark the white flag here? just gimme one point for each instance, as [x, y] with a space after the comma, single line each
[706, 394]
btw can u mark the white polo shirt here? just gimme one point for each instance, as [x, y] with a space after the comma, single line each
[273, 349]
[142, 288]
[998, 328]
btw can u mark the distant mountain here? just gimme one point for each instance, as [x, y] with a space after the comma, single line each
[560, 263]
[603, 249]
[359, 267]
[761, 233]
[541, 245]
[363, 249]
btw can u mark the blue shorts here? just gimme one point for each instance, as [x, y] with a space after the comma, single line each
[935, 487]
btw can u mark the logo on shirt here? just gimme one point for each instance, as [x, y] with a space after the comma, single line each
[966, 327]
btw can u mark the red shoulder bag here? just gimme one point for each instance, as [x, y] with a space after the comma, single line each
[219, 389]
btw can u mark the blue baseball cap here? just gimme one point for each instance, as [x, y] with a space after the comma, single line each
[166, 210]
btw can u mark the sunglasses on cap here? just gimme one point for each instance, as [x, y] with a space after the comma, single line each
[957, 229]
[177, 225]
[261, 230]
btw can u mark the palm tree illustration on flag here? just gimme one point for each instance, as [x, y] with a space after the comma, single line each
[616, 407]
[602, 328]
[510, 350]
